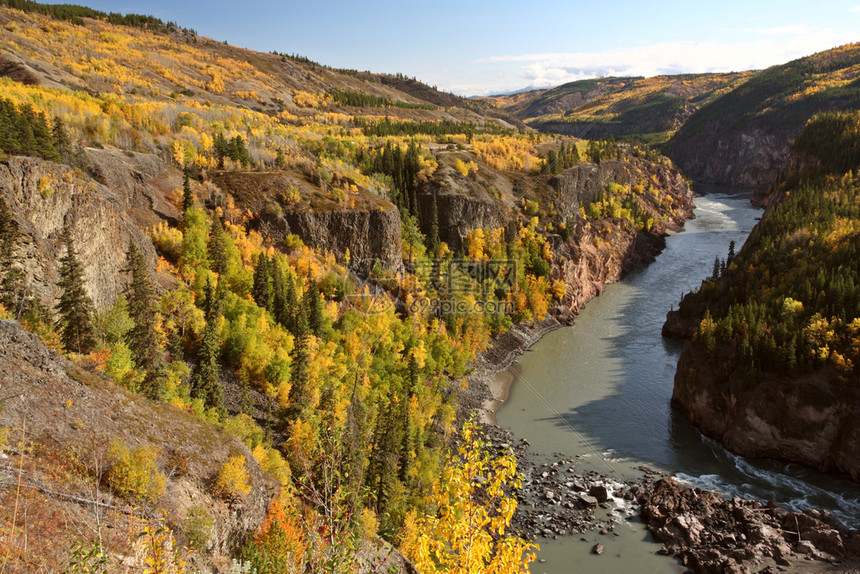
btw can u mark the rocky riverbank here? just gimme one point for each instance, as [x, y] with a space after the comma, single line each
[712, 534]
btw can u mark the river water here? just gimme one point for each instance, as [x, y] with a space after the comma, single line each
[600, 391]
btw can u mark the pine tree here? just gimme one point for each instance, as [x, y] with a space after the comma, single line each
[142, 339]
[75, 306]
[12, 289]
[187, 195]
[278, 306]
[205, 382]
[260, 291]
[221, 149]
[291, 306]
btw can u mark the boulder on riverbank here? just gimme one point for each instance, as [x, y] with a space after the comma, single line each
[712, 534]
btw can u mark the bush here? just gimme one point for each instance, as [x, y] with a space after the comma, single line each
[232, 479]
[197, 525]
[134, 475]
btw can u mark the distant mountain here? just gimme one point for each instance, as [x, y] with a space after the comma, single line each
[743, 137]
[644, 109]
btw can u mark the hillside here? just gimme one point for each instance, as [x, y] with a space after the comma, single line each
[742, 138]
[299, 260]
[773, 365]
[647, 110]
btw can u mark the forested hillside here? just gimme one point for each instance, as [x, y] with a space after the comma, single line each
[298, 260]
[782, 317]
[743, 137]
[644, 110]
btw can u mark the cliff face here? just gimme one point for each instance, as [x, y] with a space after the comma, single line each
[814, 420]
[368, 235]
[68, 419]
[44, 197]
[751, 158]
[604, 253]
[363, 222]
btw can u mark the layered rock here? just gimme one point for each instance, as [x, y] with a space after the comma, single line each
[814, 420]
[752, 158]
[45, 198]
[366, 225]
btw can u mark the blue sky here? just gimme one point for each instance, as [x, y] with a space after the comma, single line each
[478, 47]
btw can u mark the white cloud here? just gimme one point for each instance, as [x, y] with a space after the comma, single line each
[855, 8]
[762, 48]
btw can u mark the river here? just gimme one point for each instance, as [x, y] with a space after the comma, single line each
[600, 391]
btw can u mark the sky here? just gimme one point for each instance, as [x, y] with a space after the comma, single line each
[480, 47]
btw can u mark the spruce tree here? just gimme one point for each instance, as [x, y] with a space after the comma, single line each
[205, 382]
[62, 141]
[187, 195]
[75, 306]
[299, 378]
[217, 246]
[142, 339]
[260, 290]
[433, 236]
[278, 305]
[12, 290]
[291, 305]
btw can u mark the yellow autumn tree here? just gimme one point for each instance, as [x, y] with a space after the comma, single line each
[468, 532]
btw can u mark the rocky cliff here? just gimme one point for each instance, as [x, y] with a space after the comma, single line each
[45, 197]
[60, 422]
[814, 420]
[364, 223]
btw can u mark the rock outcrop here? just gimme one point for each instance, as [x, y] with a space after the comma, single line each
[45, 198]
[814, 420]
[68, 417]
[714, 535]
[364, 223]
[752, 158]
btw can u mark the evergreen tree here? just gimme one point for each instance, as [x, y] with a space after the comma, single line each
[433, 236]
[75, 306]
[300, 398]
[221, 149]
[62, 141]
[291, 305]
[205, 382]
[260, 291]
[216, 247]
[187, 195]
[142, 339]
[12, 290]
[238, 152]
[278, 306]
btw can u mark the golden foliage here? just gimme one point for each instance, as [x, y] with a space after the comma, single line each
[467, 532]
[232, 478]
[134, 475]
